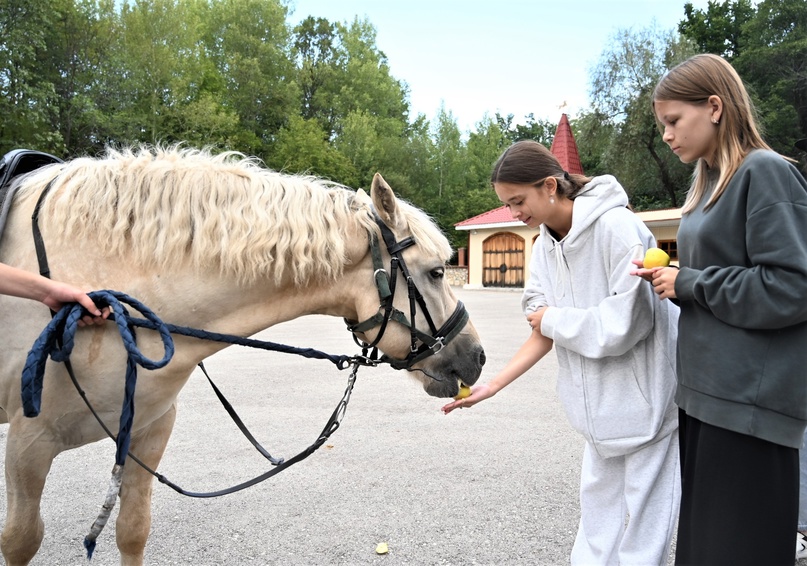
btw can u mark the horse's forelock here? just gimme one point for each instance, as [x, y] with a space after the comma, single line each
[427, 234]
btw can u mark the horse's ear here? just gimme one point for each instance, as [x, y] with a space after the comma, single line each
[384, 200]
[361, 196]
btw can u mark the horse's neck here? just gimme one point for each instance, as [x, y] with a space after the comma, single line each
[264, 304]
[219, 305]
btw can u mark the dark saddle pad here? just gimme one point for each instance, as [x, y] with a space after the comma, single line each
[13, 164]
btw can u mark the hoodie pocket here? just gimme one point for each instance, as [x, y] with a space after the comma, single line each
[617, 406]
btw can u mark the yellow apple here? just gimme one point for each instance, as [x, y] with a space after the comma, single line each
[655, 257]
[464, 392]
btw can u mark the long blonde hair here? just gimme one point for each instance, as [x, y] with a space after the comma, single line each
[693, 82]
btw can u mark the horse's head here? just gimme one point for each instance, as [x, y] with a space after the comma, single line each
[415, 319]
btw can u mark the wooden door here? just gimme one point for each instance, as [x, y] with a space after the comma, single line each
[503, 260]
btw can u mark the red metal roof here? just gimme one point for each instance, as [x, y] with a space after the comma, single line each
[563, 147]
[495, 216]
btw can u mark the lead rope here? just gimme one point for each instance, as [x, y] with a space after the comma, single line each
[57, 341]
[47, 343]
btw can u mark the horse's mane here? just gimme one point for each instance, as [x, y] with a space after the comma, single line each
[157, 205]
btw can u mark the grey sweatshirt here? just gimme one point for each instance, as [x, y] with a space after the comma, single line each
[615, 340]
[742, 287]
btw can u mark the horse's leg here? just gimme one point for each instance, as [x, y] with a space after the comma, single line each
[27, 465]
[134, 518]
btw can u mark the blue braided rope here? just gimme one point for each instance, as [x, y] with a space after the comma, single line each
[62, 329]
[340, 361]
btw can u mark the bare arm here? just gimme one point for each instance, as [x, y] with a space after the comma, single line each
[536, 347]
[20, 283]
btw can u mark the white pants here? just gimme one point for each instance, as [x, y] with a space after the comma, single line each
[629, 506]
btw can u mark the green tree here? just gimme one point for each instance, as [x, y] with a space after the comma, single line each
[27, 94]
[719, 28]
[301, 148]
[368, 84]
[149, 70]
[593, 133]
[248, 43]
[767, 44]
[773, 64]
[483, 148]
[407, 162]
[347, 88]
[341, 72]
[319, 59]
[622, 87]
[540, 130]
[70, 62]
[204, 121]
[444, 200]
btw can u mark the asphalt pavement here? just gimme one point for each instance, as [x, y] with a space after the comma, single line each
[494, 484]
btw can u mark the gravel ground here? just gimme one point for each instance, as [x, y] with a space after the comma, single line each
[496, 484]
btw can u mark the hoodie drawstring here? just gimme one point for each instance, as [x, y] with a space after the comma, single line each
[560, 268]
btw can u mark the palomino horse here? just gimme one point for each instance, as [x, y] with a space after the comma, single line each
[210, 242]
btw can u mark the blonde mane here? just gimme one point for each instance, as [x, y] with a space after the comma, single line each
[160, 206]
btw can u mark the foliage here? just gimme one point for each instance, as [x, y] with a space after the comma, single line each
[625, 126]
[768, 47]
[774, 61]
[27, 97]
[719, 28]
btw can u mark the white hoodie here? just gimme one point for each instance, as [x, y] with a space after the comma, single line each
[615, 340]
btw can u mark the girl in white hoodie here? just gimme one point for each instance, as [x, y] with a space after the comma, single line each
[615, 343]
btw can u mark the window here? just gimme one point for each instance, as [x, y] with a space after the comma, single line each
[671, 247]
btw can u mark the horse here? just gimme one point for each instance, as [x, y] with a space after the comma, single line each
[210, 241]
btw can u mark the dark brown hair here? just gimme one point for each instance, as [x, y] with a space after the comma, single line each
[528, 162]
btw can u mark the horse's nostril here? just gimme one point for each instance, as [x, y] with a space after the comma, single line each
[482, 358]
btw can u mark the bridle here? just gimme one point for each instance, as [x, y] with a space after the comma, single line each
[386, 283]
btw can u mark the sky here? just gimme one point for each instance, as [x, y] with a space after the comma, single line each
[478, 57]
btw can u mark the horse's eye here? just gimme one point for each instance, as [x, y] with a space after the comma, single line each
[437, 273]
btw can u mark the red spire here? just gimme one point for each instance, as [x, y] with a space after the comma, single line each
[564, 147]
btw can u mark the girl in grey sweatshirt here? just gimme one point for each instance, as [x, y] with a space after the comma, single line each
[742, 351]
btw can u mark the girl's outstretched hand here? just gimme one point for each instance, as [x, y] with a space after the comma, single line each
[478, 393]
